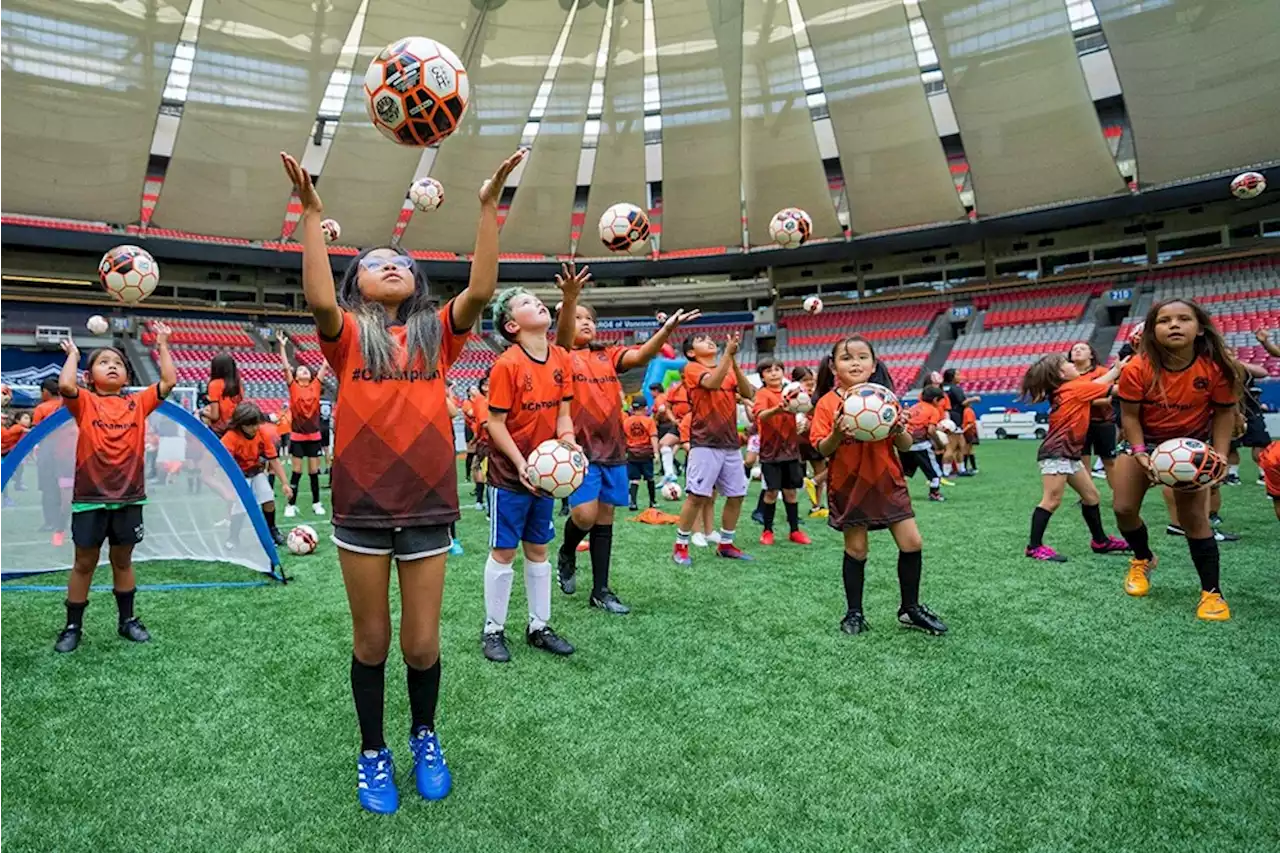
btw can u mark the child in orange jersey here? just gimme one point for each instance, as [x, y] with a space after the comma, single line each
[479, 403]
[305, 438]
[249, 444]
[12, 434]
[815, 487]
[530, 393]
[1057, 380]
[642, 448]
[110, 480]
[1269, 469]
[1182, 384]
[223, 394]
[597, 416]
[780, 466]
[866, 489]
[1100, 440]
[971, 438]
[391, 343]
[922, 427]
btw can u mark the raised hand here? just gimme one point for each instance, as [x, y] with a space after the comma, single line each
[571, 280]
[302, 184]
[70, 348]
[731, 346]
[681, 316]
[162, 331]
[1263, 336]
[491, 190]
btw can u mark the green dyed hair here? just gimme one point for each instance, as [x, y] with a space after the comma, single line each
[500, 313]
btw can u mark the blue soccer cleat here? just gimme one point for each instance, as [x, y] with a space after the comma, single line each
[430, 772]
[455, 548]
[376, 786]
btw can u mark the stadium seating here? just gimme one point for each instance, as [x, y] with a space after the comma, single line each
[875, 323]
[996, 360]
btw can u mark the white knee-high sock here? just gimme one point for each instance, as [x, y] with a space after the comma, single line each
[497, 593]
[668, 461]
[537, 586]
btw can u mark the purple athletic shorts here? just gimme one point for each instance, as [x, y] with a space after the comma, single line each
[715, 468]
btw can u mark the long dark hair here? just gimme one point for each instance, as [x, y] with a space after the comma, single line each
[827, 368]
[1209, 342]
[417, 313]
[1043, 379]
[224, 367]
[245, 414]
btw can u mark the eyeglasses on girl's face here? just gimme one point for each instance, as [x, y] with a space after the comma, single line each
[377, 262]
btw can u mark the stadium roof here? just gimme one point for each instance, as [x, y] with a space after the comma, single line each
[872, 115]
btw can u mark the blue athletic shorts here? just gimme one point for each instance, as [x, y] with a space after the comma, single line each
[516, 517]
[607, 483]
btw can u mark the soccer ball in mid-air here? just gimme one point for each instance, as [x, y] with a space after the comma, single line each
[426, 194]
[624, 228]
[1248, 185]
[97, 324]
[129, 274]
[1187, 464]
[331, 230]
[790, 227]
[870, 411]
[557, 468]
[795, 398]
[302, 540]
[416, 91]
[813, 305]
[6, 397]
[661, 317]
[671, 492]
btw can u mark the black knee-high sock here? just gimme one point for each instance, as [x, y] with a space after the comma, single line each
[295, 478]
[972, 461]
[424, 692]
[601, 553]
[480, 493]
[271, 517]
[760, 501]
[770, 512]
[1093, 518]
[368, 688]
[855, 574]
[909, 564]
[1137, 539]
[453, 531]
[1039, 523]
[1204, 554]
[573, 534]
[653, 497]
[793, 515]
[75, 613]
[635, 491]
[124, 600]
[271, 481]
[315, 488]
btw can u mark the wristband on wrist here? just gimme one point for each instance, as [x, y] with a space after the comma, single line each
[1135, 449]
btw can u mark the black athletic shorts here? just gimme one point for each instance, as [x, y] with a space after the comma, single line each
[665, 428]
[404, 543]
[782, 475]
[1100, 440]
[640, 469]
[92, 527]
[808, 453]
[918, 460]
[313, 449]
[1255, 432]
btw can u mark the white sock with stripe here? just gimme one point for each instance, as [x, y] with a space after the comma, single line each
[537, 586]
[497, 593]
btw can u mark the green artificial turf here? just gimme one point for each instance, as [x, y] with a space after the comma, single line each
[727, 712]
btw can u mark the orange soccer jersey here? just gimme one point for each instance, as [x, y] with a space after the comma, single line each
[1069, 418]
[597, 403]
[249, 452]
[1269, 465]
[530, 392]
[922, 416]
[677, 401]
[226, 405]
[641, 430]
[1181, 404]
[715, 410]
[660, 407]
[779, 439]
[111, 445]
[393, 462]
[11, 436]
[865, 486]
[44, 410]
[1099, 414]
[304, 402]
[686, 428]
[970, 424]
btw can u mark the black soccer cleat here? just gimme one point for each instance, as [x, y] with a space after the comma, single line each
[68, 639]
[632, 507]
[922, 619]
[608, 602]
[549, 641]
[134, 631]
[494, 646]
[278, 537]
[854, 623]
[567, 572]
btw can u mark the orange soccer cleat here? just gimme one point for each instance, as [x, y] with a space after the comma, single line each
[1138, 580]
[1213, 607]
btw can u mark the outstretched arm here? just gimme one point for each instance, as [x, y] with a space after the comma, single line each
[571, 280]
[168, 372]
[469, 305]
[1264, 338]
[67, 386]
[317, 277]
[284, 358]
[647, 351]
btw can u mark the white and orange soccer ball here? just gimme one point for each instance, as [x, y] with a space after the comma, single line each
[331, 230]
[790, 227]
[813, 305]
[6, 397]
[1187, 464]
[302, 540]
[870, 412]
[661, 317]
[672, 491]
[426, 194]
[97, 325]
[624, 228]
[557, 468]
[416, 91]
[1248, 185]
[129, 274]
[795, 398]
